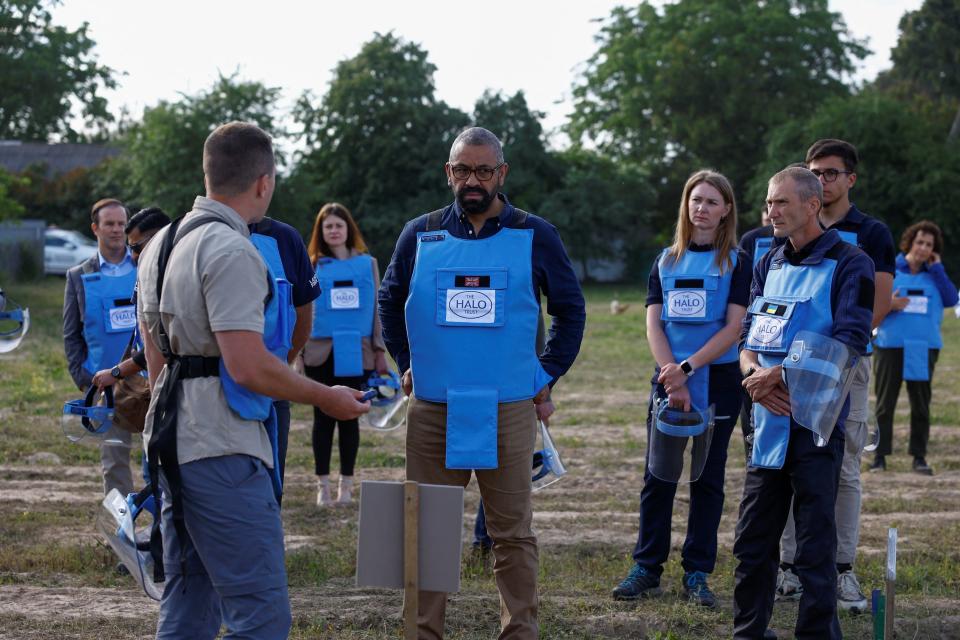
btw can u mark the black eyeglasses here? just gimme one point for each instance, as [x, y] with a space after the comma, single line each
[484, 173]
[829, 175]
[137, 247]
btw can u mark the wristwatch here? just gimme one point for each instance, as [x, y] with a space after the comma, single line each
[687, 368]
[115, 372]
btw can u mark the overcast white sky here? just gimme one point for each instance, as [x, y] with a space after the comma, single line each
[179, 45]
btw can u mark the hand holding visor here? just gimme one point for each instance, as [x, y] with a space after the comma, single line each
[386, 401]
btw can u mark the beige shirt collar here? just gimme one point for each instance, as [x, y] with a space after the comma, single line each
[206, 205]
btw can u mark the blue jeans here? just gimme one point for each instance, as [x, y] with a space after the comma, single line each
[480, 536]
[234, 555]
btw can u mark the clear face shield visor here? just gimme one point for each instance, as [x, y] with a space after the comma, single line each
[117, 522]
[387, 403]
[547, 465]
[90, 419]
[818, 372]
[679, 440]
[14, 324]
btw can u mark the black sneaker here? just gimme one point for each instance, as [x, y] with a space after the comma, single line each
[639, 583]
[879, 463]
[695, 585]
[920, 466]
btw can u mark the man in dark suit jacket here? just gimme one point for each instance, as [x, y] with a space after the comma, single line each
[91, 335]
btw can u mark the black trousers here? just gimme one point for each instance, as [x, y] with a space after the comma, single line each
[706, 494]
[324, 425]
[887, 376]
[810, 475]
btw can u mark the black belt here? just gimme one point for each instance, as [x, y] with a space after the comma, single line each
[198, 367]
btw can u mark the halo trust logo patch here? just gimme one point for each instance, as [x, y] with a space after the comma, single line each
[471, 306]
[687, 303]
[122, 318]
[767, 331]
[345, 298]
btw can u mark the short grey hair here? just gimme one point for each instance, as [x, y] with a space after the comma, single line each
[477, 137]
[806, 182]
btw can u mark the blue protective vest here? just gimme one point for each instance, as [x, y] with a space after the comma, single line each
[279, 317]
[472, 320]
[695, 295]
[795, 298]
[344, 311]
[109, 318]
[760, 248]
[916, 329]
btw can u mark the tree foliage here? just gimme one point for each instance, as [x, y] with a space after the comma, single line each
[48, 75]
[161, 164]
[378, 140]
[9, 207]
[703, 82]
[926, 59]
[907, 171]
[602, 209]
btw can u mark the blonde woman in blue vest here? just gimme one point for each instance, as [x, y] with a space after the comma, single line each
[346, 342]
[908, 340]
[696, 299]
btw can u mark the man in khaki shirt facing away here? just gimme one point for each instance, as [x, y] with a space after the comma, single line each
[221, 529]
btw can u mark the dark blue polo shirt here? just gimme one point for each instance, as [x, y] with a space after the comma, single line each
[553, 276]
[873, 237]
[739, 280]
[293, 255]
[748, 242]
[851, 291]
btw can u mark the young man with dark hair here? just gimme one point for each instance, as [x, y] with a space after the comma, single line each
[211, 312]
[98, 321]
[834, 162]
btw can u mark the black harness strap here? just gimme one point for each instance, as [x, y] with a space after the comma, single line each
[163, 438]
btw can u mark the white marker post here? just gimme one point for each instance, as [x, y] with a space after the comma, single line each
[891, 579]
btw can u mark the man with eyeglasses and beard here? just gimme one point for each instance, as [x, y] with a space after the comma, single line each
[459, 306]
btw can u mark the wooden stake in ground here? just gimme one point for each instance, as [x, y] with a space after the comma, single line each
[411, 564]
[891, 579]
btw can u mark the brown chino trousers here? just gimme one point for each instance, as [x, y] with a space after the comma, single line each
[506, 503]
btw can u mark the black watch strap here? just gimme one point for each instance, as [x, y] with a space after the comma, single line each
[115, 372]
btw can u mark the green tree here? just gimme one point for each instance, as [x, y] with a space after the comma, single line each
[602, 209]
[702, 82]
[534, 171]
[926, 58]
[906, 172]
[9, 207]
[161, 164]
[377, 140]
[46, 72]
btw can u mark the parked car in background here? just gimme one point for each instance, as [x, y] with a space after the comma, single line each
[63, 249]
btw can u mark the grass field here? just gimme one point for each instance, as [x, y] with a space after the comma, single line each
[57, 579]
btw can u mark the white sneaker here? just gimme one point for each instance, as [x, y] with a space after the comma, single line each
[345, 490]
[323, 491]
[788, 585]
[849, 596]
